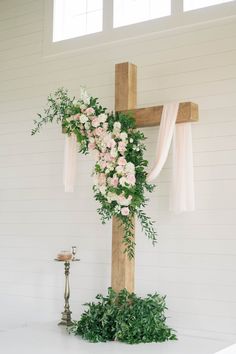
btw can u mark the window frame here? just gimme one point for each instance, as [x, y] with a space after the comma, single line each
[177, 21]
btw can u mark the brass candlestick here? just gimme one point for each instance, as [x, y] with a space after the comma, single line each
[66, 314]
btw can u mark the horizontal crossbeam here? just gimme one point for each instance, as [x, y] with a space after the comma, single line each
[151, 116]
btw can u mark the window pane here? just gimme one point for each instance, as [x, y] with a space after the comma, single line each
[94, 22]
[197, 4]
[75, 18]
[93, 5]
[126, 12]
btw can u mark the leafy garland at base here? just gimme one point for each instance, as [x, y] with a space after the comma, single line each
[124, 317]
[120, 168]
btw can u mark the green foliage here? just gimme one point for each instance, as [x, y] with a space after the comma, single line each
[124, 317]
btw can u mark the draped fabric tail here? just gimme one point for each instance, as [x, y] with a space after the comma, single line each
[182, 183]
[70, 162]
[182, 186]
[167, 126]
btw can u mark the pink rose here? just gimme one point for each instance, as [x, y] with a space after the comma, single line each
[103, 164]
[95, 122]
[89, 111]
[98, 131]
[102, 179]
[91, 146]
[114, 181]
[107, 156]
[122, 161]
[125, 211]
[131, 179]
[122, 147]
[124, 201]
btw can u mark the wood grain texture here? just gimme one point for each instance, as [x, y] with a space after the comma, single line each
[151, 116]
[122, 267]
[125, 99]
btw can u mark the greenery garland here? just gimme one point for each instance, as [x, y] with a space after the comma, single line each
[124, 317]
[120, 169]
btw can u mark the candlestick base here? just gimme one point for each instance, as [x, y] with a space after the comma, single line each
[66, 319]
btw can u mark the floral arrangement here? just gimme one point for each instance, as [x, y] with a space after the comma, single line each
[118, 147]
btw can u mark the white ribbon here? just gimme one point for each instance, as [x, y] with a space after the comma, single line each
[182, 185]
[70, 156]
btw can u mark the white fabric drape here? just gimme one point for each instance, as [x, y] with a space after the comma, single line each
[182, 186]
[70, 162]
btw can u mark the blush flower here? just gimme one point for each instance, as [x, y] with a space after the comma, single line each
[89, 111]
[98, 131]
[121, 147]
[114, 181]
[125, 211]
[131, 179]
[83, 118]
[95, 122]
[91, 146]
[122, 161]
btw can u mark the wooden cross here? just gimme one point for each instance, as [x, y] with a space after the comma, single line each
[126, 99]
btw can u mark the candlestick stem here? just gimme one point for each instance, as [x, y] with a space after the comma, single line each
[66, 314]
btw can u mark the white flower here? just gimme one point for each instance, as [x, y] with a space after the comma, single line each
[120, 170]
[102, 117]
[102, 189]
[111, 197]
[116, 127]
[84, 95]
[129, 167]
[87, 125]
[83, 118]
[123, 136]
[83, 107]
[117, 209]
[114, 152]
[131, 140]
[122, 181]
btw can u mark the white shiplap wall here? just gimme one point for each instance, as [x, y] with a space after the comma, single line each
[194, 262]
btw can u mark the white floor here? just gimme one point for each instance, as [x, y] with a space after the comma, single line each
[48, 338]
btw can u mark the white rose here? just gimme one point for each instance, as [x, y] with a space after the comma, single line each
[111, 197]
[102, 189]
[129, 167]
[83, 107]
[120, 170]
[102, 117]
[117, 126]
[83, 118]
[114, 152]
[87, 125]
[131, 140]
[123, 136]
[122, 181]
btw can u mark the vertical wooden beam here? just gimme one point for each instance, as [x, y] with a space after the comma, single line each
[125, 99]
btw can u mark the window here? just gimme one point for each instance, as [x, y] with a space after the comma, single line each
[127, 12]
[197, 4]
[75, 18]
